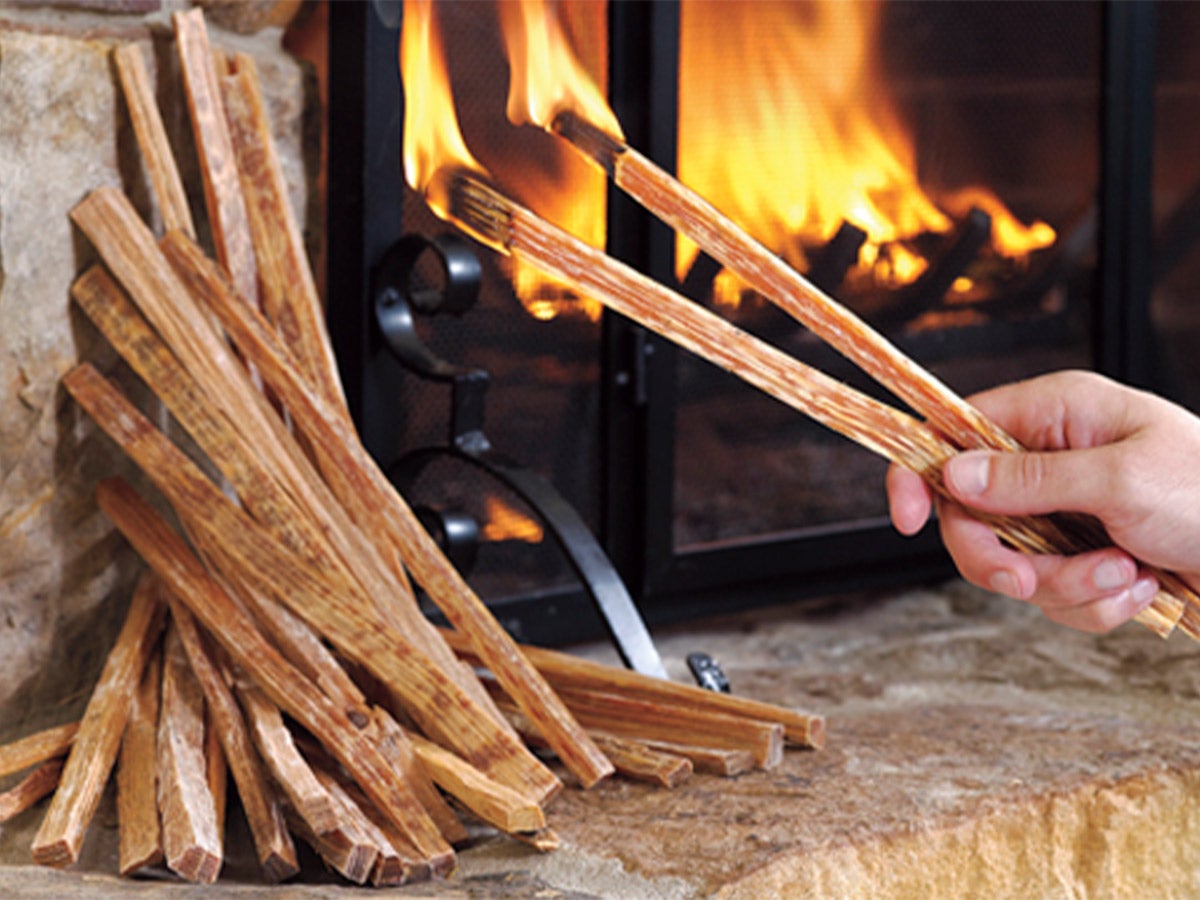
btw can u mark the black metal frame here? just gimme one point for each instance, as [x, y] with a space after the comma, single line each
[1125, 264]
[638, 394]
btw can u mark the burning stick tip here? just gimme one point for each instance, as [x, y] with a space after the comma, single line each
[477, 207]
[602, 148]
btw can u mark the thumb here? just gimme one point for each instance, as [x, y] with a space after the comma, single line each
[1028, 483]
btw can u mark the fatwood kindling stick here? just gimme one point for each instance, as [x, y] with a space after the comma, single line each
[514, 230]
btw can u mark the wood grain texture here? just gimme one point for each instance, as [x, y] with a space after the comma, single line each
[139, 843]
[98, 740]
[227, 217]
[192, 845]
[363, 488]
[952, 417]
[29, 790]
[285, 685]
[891, 433]
[37, 748]
[289, 291]
[152, 140]
[275, 851]
[563, 670]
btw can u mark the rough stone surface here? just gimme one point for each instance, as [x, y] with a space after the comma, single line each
[975, 750]
[249, 16]
[64, 575]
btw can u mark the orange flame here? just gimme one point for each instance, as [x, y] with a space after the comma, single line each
[567, 192]
[504, 523]
[785, 126]
[547, 77]
[432, 139]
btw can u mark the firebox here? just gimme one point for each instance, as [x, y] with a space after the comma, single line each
[1002, 189]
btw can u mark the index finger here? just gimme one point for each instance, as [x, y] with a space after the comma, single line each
[1070, 409]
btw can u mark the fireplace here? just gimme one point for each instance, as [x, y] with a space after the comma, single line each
[704, 494]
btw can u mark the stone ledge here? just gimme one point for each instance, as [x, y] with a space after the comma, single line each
[974, 750]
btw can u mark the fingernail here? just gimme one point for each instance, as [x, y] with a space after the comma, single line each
[1143, 592]
[1109, 575]
[968, 473]
[1004, 582]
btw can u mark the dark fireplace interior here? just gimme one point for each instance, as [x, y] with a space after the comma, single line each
[521, 413]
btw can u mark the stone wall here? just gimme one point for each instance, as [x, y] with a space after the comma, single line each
[64, 574]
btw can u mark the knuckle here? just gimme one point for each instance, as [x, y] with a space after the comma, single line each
[1032, 473]
[1124, 478]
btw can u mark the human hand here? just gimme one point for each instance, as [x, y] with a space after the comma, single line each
[1127, 457]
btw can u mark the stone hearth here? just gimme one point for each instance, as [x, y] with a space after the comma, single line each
[975, 750]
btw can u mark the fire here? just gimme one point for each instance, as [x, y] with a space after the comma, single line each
[432, 139]
[547, 77]
[543, 175]
[784, 124]
[504, 523]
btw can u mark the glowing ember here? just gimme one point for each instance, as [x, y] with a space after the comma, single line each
[504, 523]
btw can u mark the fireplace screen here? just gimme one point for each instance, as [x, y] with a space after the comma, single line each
[959, 174]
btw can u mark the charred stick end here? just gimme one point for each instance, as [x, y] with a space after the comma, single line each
[602, 148]
[475, 206]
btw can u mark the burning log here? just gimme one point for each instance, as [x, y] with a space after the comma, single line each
[927, 291]
[829, 265]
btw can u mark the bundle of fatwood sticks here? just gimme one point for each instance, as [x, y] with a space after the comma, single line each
[275, 636]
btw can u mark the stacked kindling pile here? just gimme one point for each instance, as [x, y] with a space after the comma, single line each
[275, 636]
